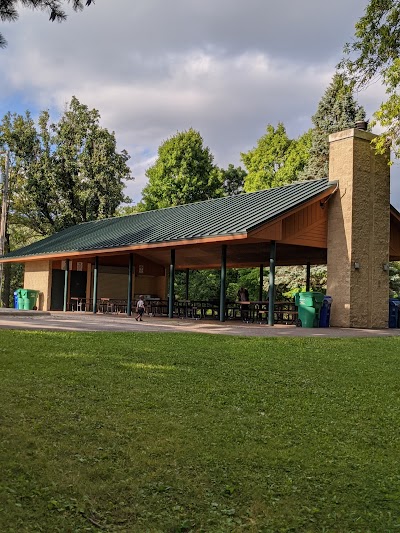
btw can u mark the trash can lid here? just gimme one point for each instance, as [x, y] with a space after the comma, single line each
[315, 295]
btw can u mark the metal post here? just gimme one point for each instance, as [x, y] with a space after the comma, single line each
[187, 285]
[4, 213]
[130, 278]
[222, 295]
[308, 277]
[66, 278]
[271, 295]
[95, 283]
[171, 285]
[260, 293]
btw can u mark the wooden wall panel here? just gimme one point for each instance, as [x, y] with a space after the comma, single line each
[306, 227]
[394, 238]
[112, 282]
[270, 232]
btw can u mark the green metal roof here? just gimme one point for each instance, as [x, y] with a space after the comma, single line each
[233, 215]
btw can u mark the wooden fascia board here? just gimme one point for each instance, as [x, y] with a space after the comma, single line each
[313, 200]
[123, 250]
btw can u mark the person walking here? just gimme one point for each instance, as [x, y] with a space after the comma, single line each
[139, 308]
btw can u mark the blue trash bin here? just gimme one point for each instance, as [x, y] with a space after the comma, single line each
[394, 313]
[325, 313]
[15, 299]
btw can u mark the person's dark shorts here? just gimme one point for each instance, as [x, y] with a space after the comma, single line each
[140, 311]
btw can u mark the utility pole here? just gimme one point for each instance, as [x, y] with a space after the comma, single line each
[4, 213]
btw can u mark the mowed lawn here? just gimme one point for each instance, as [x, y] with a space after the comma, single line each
[181, 432]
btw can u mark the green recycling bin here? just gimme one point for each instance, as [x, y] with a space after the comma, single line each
[29, 298]
[309, 306]
[20, 298]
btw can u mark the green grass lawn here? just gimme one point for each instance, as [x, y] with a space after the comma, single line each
[180, 432]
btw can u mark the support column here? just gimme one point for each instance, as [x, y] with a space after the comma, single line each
[95, 283]
[260, 292]
[308, 276]
[222, 295]
[358, 231]
[271, 295]
[171, 297]
[130, 278]
[66, 282]
[187, 284]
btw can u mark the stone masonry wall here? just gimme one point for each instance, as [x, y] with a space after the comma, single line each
[38, 277]
[358, 232]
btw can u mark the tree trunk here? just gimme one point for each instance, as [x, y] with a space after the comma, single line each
[5, 296]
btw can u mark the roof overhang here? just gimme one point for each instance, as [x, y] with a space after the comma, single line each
[247, 249]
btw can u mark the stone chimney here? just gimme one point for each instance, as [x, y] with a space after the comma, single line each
[358, 231]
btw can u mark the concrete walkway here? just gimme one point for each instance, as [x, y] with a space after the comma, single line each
[105, 322]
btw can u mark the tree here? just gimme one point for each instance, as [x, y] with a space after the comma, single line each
[183, 173]
[337, 110]
[376, 44]
[374, 53]
[63, 173]
[388, 115]
[233, 180]
[9, 11]
[291, 279]
[296, 159]
[394, 279]
[126, 210]
[276, 160]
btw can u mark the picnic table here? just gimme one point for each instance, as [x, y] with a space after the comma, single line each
[249, 311]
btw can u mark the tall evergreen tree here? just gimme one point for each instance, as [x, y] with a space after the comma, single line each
[337, 110]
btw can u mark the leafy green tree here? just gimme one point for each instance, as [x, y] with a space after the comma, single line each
[203, 285]
[264, 161]
[291, 279]
[9, 10]
[337, 110]
[394, 279]
[388, 115]
[233, 180]
[374, 53]
[296, 159]
[276, 160]
[127, 210]
[63, 173]
[376, 44]
[13, 274]
[183, 173]
[248, 278]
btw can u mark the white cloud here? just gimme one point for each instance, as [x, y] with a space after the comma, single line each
[153, 68]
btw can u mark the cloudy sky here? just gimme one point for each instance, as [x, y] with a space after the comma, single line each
[154, 67]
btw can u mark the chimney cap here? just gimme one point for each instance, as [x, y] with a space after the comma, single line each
[361, 125]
